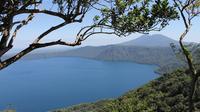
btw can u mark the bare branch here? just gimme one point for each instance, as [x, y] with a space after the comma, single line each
[49, 31]
[24, 22]
[52, 13]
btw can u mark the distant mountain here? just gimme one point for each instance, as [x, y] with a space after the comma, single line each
[154, 49]
[164, 57]
[156, 40]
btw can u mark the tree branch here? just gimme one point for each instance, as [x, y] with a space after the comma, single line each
[24, 22]
[52, 13]
[49, 31]
[32, 47]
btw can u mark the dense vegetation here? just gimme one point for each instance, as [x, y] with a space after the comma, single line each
[169, 93]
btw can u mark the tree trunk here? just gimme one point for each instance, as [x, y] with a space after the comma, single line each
[192, 93]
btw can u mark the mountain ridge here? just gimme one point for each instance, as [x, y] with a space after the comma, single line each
[162, 56]
[155, 40]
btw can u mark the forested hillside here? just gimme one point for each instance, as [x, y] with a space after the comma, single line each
[169, 93]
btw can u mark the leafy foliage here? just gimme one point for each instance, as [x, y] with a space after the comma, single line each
[127, 16]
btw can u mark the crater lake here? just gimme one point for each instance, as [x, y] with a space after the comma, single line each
[44, 84]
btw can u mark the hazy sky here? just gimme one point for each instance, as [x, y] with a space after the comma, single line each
[42, 22]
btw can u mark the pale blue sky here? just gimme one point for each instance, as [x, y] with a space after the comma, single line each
[42, 22]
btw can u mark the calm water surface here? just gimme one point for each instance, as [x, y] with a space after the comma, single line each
[41, 85]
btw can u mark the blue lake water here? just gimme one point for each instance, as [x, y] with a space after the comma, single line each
[42, 85]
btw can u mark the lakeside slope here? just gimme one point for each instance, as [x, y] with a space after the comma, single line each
[169, 93]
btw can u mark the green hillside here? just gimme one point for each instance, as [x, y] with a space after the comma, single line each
[165, 94]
